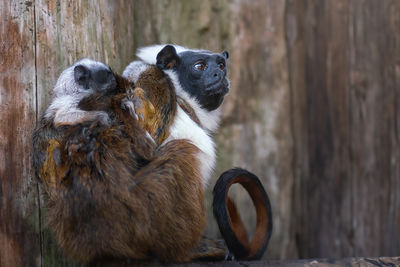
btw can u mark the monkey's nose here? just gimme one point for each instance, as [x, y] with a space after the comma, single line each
[217, 75]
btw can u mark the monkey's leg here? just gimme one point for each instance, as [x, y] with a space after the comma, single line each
[173, 196]
[96, 101]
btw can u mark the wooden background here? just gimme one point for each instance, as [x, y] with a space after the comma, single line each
[314, 110]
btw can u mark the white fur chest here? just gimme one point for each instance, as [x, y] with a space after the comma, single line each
[184, 127]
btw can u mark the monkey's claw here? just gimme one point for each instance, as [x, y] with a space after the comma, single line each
[127, 104]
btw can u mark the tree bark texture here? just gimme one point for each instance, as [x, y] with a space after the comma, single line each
[313, 111]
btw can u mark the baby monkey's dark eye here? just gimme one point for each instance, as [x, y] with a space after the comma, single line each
[221, 66]
[200, 66]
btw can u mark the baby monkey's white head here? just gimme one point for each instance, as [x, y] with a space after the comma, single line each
[78, 81]
[85, 76]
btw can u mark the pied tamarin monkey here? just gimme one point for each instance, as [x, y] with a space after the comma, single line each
[97, 183]
[199, 78]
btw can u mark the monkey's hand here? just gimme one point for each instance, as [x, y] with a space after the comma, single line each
[127, 104]
[53, 170]
[143, 109]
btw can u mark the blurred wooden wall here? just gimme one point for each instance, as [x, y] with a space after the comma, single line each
[314, 110]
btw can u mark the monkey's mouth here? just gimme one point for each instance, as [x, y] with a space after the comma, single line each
[217, 88]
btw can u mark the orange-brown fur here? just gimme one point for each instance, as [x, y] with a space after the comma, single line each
[155, 102]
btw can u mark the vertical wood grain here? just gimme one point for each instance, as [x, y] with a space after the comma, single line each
[19, 229]
[255, 133]
[374, 60]
[320, 108]
[345, 118]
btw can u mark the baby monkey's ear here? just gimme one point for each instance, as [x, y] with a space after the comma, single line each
[225, 54]
[167, 58]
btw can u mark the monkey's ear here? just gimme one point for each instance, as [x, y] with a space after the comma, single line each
[81, 75]
[167, 58]
[225, 54]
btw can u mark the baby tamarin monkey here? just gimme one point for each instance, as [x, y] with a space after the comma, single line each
[84, 80]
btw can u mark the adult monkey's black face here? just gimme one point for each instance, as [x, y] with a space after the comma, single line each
[203, 75]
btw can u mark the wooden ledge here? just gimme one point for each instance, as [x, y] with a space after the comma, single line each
[373, 262]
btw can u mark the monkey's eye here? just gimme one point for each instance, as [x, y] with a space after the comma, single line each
[221, 66]
[200, 66]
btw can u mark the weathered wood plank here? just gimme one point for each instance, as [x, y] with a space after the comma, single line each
[320, 116]
[374, 53]
[345, 115]
[19, 229]
[366, 262]
[255, 133]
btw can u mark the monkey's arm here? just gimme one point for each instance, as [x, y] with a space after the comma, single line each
[228, 218]
[76, 116]
[103, 100]
[96, 101]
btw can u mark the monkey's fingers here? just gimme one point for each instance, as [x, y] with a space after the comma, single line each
[228, 218]
[127, 104]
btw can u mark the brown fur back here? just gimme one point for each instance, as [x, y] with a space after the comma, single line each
[104, 209]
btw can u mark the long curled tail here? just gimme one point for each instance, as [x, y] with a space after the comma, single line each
[228, 218]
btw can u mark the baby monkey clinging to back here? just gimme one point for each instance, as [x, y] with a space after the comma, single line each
[88, 81]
